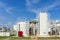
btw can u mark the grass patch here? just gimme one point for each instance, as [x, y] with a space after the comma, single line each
[28, 38]
[20, 38]
[3, 37]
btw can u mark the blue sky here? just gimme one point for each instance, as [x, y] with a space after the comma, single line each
[11, 10]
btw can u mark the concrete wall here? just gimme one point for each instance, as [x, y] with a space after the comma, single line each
[4, 33]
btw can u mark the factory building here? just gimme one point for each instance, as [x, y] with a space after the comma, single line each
[34, 27]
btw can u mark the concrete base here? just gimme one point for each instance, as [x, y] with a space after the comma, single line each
[43, 36]
[26, 36]
[49, 36]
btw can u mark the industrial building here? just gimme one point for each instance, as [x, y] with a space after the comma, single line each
[37, 27]
[40, 27]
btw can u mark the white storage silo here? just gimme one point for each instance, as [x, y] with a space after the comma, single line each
[15, 27]
[22, 26]
[43, 23]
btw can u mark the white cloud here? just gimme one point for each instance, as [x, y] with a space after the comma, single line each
[22, 18]
[8, 10]
[35, 1]
[35, 10]
[54, 4]
[30, 2]
[2, 17]
[8, 25]
[2, 4]
[5, 9]
[44, 8]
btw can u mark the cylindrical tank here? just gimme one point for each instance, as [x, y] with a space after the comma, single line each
[22, 26]
[43, 23]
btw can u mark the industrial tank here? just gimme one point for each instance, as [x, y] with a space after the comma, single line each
[43, 23]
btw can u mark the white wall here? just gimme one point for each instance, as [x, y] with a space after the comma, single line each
[4, 33]
[43, 24]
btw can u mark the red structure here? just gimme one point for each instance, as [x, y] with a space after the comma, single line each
[20, 33]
